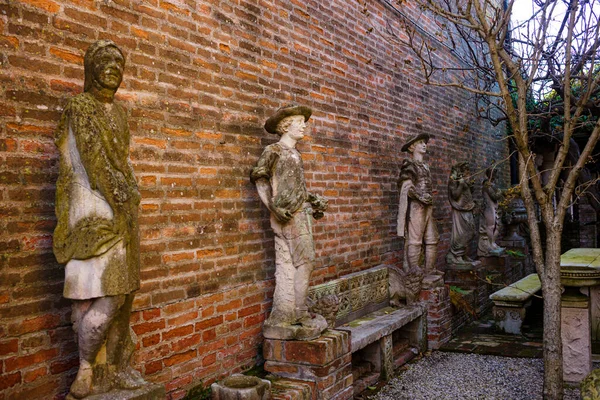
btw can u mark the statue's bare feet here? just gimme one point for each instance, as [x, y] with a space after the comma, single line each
[82, 386]
[130, 379]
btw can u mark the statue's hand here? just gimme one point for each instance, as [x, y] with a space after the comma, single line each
[318, 202]
[426, 198]
[318, 214]
[280, 214]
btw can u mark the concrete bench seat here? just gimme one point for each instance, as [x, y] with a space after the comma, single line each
[378, 324]
[511, 302]
[381, 335]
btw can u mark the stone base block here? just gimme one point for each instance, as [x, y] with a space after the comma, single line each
[325, 362]
[148, 392]
[576, 337]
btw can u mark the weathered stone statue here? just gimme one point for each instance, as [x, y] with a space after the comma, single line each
[415, 214]
[279, 178]
[490, 221]
[97, 231]
[463, 223]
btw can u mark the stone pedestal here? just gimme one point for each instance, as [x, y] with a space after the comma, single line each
[325, 363]
[595, 318]
[439, 316]
[470, 278]
[576, 335]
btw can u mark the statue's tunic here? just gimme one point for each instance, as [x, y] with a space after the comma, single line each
[282, 167]
[96, 201]
[463, 223]
[415, 218]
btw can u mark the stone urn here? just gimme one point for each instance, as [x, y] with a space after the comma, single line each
[241, 387]
[512, 217]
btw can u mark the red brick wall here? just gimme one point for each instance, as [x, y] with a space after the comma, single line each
[201, 77]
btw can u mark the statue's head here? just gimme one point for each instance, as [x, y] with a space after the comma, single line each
[280, 122]
[460, 169]
[414, 140]
[103, 65]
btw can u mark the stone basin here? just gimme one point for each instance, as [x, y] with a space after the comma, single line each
[241, 387]
[580, 267]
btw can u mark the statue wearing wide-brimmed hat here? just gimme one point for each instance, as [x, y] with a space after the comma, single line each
[279, 178]
[415, 215]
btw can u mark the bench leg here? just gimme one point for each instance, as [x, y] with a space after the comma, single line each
[509, 319]
[386, 347]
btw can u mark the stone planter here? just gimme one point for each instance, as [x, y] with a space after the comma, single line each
[241, 387]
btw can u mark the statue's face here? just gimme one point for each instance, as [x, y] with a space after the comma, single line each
[419, 147]
[296, 128]
[108, 68]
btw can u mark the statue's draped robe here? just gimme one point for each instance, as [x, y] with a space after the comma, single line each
[97, 201]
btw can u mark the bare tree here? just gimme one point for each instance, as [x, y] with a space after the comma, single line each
[541, 77]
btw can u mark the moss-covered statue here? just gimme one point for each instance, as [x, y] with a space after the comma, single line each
[463, 222]
[279, 178]
[97, 232]
[489, 223]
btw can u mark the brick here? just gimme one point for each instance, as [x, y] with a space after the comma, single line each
[8, 347]
[10, 380]
[26, 361]
[32, 375]
[146, 327]
[36, 324]
[179, 358]
[46, 5]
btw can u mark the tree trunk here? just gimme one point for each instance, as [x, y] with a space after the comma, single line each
[551, 292]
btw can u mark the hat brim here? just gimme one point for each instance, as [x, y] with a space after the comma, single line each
[273, 121]
[420, 136]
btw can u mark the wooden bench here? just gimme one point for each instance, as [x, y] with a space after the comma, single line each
[511, 302]
[382, 337]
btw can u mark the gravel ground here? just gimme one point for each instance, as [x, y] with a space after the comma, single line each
[449, 376]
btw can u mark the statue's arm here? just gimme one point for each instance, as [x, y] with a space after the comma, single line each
[455, 188]
[492, 191]
[265, 193]
[319, 204]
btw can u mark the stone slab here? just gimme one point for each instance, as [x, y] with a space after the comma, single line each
[581, 258]
[148, 392]
[519, 291]
[378, 324]
[465, 266]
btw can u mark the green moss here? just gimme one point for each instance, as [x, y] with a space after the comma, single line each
[198, 392]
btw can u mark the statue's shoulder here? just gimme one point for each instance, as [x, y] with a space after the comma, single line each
[408, 170]
[274, 148]
[83, 103]
[409, 166]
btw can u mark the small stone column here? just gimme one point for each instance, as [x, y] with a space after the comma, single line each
[439, 316]
[325, 363]
[576, 335]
